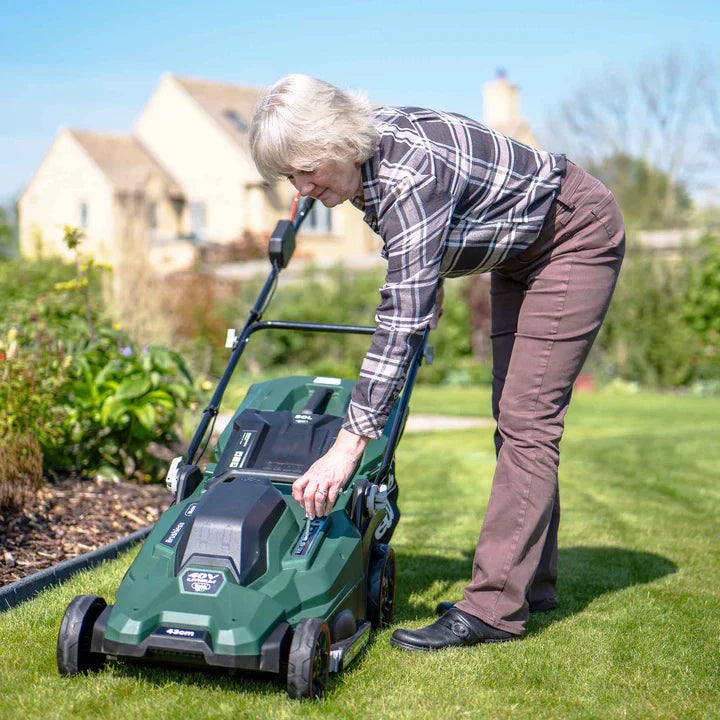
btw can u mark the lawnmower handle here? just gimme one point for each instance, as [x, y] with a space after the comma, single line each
[280, 248]
[282, 241]
[303, 210]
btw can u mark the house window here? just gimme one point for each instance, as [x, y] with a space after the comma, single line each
[152, 222]
[319, 220]
[198, 219]
[236, 120]
[83, 215]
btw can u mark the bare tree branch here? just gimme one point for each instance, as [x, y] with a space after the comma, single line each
[667, 112]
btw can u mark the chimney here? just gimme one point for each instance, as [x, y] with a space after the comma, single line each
[501, 102]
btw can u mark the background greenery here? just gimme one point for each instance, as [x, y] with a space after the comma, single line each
[662, 329]
[76, 393]
[80, 392]
[635, 634]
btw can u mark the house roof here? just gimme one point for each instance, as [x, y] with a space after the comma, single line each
[124, 160]
[231, 106]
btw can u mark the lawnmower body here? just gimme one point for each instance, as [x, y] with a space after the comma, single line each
[227, 572]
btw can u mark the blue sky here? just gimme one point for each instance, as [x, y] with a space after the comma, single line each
[93, 66]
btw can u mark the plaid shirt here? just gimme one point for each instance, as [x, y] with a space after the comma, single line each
[449, 197]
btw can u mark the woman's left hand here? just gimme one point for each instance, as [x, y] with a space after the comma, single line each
[318, 489]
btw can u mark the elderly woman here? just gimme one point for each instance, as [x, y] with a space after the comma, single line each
[450, 197]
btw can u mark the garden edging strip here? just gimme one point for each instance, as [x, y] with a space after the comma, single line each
[21, 590]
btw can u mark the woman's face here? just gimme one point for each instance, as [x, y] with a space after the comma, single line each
[332, 182]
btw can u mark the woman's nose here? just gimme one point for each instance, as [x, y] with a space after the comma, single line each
[306, 187]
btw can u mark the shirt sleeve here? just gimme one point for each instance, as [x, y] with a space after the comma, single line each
[413, 220]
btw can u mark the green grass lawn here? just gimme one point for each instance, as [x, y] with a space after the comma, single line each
[635, 635]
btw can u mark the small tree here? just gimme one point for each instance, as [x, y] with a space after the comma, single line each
[648, 198]
[701, 309]
[644, 338]
[665, 113]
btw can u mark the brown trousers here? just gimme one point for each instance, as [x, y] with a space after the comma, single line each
[547, 307]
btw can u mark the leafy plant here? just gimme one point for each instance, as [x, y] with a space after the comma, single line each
[118, 401]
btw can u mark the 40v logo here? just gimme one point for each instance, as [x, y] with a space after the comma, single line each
[206, 583]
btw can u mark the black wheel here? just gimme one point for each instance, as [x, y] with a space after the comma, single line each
[309, 660]
[73, 647]
[381, 586]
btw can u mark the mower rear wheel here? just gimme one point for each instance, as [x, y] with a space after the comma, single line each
[381, 586]
[73, 647]
[309, 660]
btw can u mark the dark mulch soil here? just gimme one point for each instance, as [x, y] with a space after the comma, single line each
[71, 517]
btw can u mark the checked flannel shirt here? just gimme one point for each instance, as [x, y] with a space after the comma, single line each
[449, 197]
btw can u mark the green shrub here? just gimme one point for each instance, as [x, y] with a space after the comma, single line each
[33, 368]
[644, 338]
[22, 282]
[701, 307]
[94, 401]
[328, 296]
[30, 375]
[8, 232]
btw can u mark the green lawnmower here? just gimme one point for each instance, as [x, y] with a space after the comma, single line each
[232, 577]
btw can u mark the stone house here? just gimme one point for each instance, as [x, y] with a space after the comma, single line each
[107, 185]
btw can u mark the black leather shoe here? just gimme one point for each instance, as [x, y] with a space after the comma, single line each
[454, 629]
[540, 606]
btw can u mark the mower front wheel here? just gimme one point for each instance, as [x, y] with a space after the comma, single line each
[73, 647]
[309, 660]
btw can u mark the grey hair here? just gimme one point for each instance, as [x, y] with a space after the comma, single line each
[302, 122]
